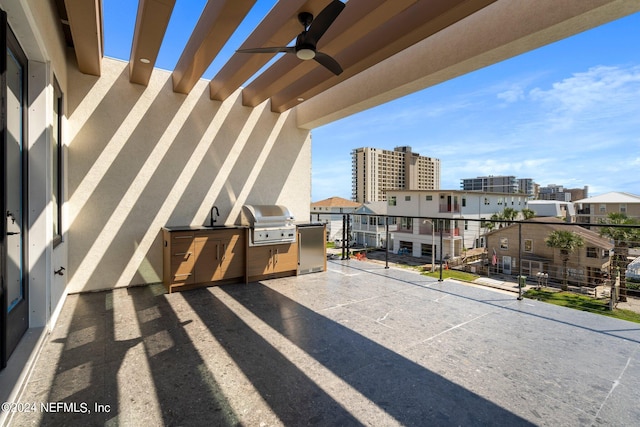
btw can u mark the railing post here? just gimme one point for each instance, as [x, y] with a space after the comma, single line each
[344, 229]
[386, 242]
[521, 281]
[441, 243]
[348, 236]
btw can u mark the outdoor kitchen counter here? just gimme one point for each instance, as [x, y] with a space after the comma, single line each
[197, 256]
[201, 227]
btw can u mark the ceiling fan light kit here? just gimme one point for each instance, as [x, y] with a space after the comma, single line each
[314, 29]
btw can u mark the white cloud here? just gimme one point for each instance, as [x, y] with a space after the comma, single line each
[595, 91]
[511, 95]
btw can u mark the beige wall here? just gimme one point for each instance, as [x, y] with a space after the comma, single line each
[144, 157]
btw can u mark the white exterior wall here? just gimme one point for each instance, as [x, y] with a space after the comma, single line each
[144, 157]
[475, 208]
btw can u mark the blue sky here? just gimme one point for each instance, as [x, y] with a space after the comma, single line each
[567, 113]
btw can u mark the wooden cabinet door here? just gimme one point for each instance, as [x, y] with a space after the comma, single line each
[207, 263]
[232, 256]
[285, 257]
[260, 260]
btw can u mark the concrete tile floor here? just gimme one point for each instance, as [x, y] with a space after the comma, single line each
[356, 345]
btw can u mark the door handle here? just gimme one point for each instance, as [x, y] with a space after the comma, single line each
[12, 233]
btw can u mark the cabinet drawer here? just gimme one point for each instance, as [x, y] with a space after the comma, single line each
[178, 237]
[182, 263]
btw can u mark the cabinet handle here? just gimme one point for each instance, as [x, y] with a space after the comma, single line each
[217, 252]
[183, 254]
[224, 251]
[182, 274]
[276, 258]
[183, 237]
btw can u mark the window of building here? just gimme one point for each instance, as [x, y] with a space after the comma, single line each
[603, 208]
[429, 198]
[56, 162]
[406, 223]
[623, 208]
[528, 245]
[592, 253]
[504, 243]
[407, 198]
[392, 200]
[464, 202]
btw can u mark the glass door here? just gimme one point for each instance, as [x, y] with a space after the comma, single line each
[14, 290]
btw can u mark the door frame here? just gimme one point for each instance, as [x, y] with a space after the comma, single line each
[12, 325]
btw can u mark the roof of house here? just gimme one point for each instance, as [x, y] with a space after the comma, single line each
[335, 202]
[612, 197]
[591, 238]
[379, 208]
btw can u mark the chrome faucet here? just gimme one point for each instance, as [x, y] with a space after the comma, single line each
[211, 220]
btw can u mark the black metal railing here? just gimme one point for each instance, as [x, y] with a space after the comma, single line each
[516, 249]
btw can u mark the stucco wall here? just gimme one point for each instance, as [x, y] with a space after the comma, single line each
[144, 157]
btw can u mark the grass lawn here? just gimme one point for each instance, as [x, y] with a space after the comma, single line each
[581, 302]
[451, 274]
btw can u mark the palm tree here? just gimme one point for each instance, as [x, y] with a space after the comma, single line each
[528, 213]
[621, 237]
[568, 242]
[509, 214]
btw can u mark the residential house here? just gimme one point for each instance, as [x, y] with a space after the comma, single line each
[331, 212]
[457, 213]
[595, 209]
[369, 226]
[526, 242]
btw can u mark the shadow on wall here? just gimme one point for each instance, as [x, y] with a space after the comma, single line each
[148, 158]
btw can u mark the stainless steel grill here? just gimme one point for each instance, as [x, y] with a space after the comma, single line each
[268, 224]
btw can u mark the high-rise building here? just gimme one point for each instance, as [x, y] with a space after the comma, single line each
[374, 171]
[558, 192]
[499, 184]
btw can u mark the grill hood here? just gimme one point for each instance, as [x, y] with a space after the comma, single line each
[269, 224]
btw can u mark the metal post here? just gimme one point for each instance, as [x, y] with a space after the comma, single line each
[521, 281]
[386, 250]
[344, 228]
[348, 236]
[441, 242]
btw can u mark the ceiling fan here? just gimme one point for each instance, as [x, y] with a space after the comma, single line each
[305, 47]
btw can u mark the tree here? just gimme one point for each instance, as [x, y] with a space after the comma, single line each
[621, 237]
[567, 242]
[509, 214]
[528, 213]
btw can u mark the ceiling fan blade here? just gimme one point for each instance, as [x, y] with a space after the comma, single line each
[323, 21]
[328, 62]
[268, 50]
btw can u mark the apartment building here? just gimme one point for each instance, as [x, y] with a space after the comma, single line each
[499, 184]
[561, 194]
[594, 209]
[457, 213]
[375, 171]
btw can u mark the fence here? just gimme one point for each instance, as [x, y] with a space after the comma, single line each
[595, 259]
